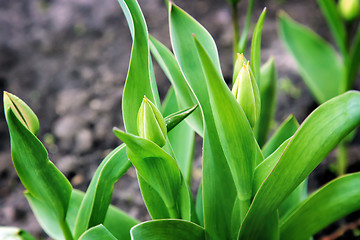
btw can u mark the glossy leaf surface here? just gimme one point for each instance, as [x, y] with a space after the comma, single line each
[335, 200]
[217, 180]
[96, 233]
[232, 126]
[184, 94]
[99, 193]
[285, 131]
[314, 139]
[138, 82]
[170, 229]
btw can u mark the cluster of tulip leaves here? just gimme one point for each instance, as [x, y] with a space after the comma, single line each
[248, 190]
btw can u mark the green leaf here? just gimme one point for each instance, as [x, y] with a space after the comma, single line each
[139, 81]
[218, 187]
[169, 229]
[263, 170]
[311, 51]
[294, 199]
[256, 47]
[118, 222]
[156, 167]
[314, 139]
[96, 233]
[184, 95]
[38, 175]
[182, 138]
[285, 131]
[173, 119]
[233, 129]
[268, 89]
[337, 27]
[99, 193]
[22, 111]
[14, 233]
[335, 200]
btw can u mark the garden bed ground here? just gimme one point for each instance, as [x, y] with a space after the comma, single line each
[69, 59]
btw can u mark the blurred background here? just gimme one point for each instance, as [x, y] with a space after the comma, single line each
[68, 60]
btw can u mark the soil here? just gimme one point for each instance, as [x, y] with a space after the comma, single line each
[68, 60]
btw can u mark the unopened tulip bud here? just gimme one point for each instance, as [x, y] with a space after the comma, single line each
[247, 94]
[349, 9]
[150, 123]
[239, 62]
[22, 111]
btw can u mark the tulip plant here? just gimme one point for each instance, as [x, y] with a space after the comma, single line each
[246, 192]
[325, 73]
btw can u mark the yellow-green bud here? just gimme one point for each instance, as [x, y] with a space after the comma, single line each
[247, 93]
[349, 9]
[239, 62]
[150, 123]
[22, 111]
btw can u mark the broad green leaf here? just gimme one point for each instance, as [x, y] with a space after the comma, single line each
[38, 175]
[113, 220]
[255, 59]
[354, 60]
[96, 233]
[285, 131]
[182, 138]
[294, 199]
[218, 187]
[156, 167]
[139, 81]
[14, 233]
[336, 24]
[263, 170]
[153, 201]
[335, 200]
[99, 193]
[169, 229]
[22, 111]
[315, 138]
[184, 95]
[268, 89]
[311, 51]
[233, 129]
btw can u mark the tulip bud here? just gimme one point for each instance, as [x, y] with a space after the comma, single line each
[247, 93]
[349, 9]
[239, 62]
[22, 111]
[150, 123]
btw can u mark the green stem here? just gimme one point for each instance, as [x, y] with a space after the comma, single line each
[235, 24]
[244, 207]
[66, 230]
[342, 158]
[173, 212]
